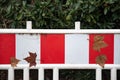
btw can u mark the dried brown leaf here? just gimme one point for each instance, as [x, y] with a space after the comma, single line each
[99, 43]
[14, 61]
[31, 59]
[101, 59]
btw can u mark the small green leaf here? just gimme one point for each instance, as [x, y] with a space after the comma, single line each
[69, 17]
[19, 17]
[24, 3]
[68, 2]
[9, 9]
[105, 11]
[77, 6]
[91, 9]
[88, 18]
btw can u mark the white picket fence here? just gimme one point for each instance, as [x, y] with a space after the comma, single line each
[57, 67]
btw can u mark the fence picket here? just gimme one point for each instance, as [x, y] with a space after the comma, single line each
[11, 74]
[56, 68]
[55, 73]
[41, 74]
[113, 74]
[26, 74]
[98, 74]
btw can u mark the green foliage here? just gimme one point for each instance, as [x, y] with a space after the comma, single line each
[75, 74]
[52, 14]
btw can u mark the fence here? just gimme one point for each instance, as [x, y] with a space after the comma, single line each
[56, 67]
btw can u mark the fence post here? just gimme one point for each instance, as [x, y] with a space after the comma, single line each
[77, 25]
[26, 74]
[11, 73]
[55, 74]
[41, 74]
[29, 25]
[98, 74]
[113, 74]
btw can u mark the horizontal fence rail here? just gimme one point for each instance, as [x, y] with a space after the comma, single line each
[59, 31]
[56, 68]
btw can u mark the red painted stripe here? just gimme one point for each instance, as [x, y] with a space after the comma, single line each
[7, 47]
[52, 48]
[108, 51]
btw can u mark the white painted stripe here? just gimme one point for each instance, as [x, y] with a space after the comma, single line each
[27, 43]
[76, 48]
[117, 49]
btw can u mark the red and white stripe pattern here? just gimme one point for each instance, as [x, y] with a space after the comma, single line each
[58, 48]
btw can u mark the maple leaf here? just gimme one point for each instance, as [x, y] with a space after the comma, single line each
[101, 59]
[14, 61]
[31, 59]
[99, 43]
